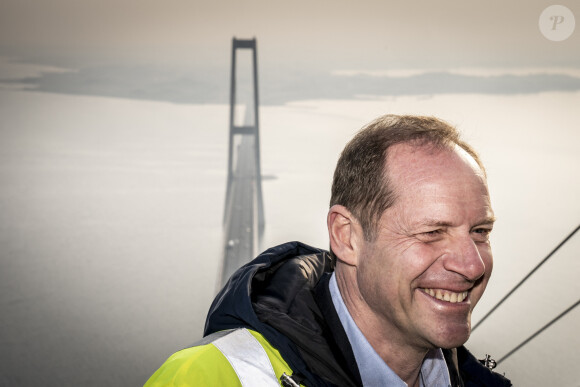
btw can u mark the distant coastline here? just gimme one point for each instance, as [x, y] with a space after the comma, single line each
[204, 84]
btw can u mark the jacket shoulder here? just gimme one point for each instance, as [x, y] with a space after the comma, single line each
[201, 365]
[206, 363]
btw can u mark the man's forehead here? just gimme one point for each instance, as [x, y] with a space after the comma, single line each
[412, 159]
[441, 176]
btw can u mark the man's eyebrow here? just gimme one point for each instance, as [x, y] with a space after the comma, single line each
[487, 220]
[434, 222]
[431, 222]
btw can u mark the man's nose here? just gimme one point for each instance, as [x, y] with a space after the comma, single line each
[464, 258]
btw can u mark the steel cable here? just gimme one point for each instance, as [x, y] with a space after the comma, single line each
[538, 332]
[526, 278]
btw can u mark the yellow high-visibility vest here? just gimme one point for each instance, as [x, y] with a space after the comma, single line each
[232, 358]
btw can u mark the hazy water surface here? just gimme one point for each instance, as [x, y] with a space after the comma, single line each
[110, 228]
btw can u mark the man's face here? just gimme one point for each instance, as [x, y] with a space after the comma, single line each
[431, 260]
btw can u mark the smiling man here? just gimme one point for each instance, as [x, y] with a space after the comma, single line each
[390, 304]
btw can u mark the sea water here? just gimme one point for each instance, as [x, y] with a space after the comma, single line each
[111, 233]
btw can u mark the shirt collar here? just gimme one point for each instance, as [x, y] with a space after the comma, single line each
[373, 370]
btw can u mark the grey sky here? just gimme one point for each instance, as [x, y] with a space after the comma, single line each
[371, 34]
[105, 201]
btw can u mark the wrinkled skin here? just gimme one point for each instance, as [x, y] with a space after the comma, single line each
[434, 239]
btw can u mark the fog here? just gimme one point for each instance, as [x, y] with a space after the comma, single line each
[113, 151]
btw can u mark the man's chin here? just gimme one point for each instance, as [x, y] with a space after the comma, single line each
[452, 337]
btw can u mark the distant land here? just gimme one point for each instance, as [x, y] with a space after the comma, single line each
[209, 85]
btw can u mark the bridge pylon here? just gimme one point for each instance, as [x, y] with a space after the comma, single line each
[247, 129]
[244, 208]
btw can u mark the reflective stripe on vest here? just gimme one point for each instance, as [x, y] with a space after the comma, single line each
[248, 358]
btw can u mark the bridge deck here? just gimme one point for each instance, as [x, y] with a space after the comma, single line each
[240, 216]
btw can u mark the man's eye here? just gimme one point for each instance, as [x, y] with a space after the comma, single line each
[482, 233]
[430, 236]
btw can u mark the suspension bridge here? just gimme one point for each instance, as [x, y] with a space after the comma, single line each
[244, 208]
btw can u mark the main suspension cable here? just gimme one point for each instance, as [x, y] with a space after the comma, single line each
[525, 278]
[538, 332]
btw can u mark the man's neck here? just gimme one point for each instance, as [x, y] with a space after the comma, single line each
[404, 359]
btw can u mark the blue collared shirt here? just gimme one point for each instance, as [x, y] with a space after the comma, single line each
[373, 370]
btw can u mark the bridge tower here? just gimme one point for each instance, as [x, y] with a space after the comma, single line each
[244, 209]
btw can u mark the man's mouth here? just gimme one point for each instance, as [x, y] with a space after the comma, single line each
[446, 295]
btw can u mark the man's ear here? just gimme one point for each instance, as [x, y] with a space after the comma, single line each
[343, 230]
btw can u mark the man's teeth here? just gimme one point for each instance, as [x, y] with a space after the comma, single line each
[446, 295]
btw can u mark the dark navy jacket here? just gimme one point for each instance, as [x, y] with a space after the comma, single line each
[284, 295]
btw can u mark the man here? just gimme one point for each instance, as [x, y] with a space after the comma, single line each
[390, 305]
